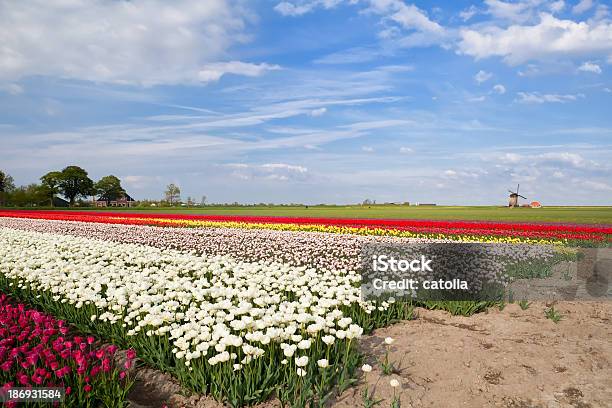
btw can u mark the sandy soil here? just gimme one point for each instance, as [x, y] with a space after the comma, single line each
[511, 358]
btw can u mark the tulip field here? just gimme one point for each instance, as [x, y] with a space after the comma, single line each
[243, 309]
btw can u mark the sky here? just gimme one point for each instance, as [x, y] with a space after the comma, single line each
[313, 101]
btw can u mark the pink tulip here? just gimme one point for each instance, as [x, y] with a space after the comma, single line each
[131, 354]
[23, 379]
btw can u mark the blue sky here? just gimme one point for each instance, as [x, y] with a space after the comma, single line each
[313, 101]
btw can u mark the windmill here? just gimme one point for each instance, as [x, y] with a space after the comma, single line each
[514, 197]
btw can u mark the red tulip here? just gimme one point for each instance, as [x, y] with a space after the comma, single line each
[527, 230]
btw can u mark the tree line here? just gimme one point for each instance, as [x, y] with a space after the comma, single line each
[72, 182]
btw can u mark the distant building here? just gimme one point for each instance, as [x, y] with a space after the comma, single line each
[60, 202]
[124, 201]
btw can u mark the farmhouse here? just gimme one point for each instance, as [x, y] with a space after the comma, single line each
[123, 201]
[60, 202]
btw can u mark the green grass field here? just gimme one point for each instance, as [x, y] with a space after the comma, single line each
[579, 215]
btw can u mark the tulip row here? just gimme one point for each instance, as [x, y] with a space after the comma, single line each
[323, 251]
[36, 350]
[374, 223]
[457, 230]
[233, 329]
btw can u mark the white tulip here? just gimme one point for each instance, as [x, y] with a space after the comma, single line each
[301, 361]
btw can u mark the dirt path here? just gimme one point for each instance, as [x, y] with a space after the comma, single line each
[512, 358]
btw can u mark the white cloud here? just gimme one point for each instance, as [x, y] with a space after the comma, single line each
[499, 89]
[572, 159]
[422, 31]
[237, 165]
[517, 11]
[289, 9]
[134, 42]
[298, 8]
[481, 98]
[318, 112]
[595, 185]
[510, 158]
[411, 17]
[214, 71]
[520, 11]
[139, 181]
[565, 160]
[350, 56]
[601, 12]
[378, 124]
[267, 171]
[537, 97]
[406, 150]
[12, 89]
[582, 6]
[557, 6]
[590, 67]
[368, 149]
[468, 13]
[548, 39]
[283, 166]
[529, 71]
[482, 76]
[462, 174]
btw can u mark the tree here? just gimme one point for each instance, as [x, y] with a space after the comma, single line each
[51, 182]
[6, 185]
[109, 188]
[173, 193]
[203, 202]
[74, 183]
[29, 196]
